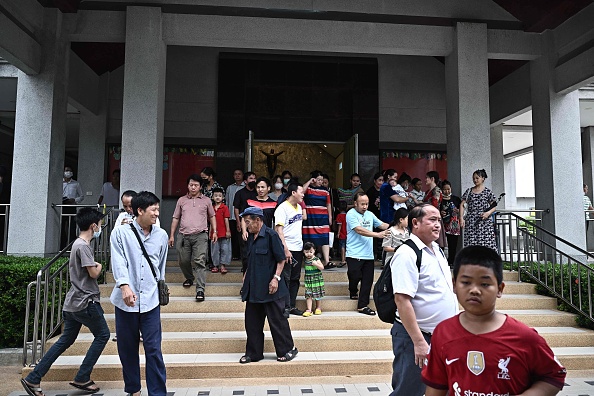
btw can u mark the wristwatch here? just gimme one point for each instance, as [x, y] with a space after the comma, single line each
[277, 277]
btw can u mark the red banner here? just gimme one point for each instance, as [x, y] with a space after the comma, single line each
[416, 164]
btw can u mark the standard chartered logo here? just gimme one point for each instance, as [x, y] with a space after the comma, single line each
[457, 389]
[458, 392]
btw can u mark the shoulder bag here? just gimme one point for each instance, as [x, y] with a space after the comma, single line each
[162, 286]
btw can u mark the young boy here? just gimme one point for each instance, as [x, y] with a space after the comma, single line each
[342, 232]
[482, 351]
[221, 249]
[81, 307]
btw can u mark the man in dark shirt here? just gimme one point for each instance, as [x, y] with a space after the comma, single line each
[240, 204]
[263, 291]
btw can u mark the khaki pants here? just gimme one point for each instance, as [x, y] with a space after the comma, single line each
[193, 248]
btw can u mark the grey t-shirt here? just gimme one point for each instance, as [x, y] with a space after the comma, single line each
[84, 288]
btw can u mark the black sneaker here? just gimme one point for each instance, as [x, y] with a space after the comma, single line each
[295, 311]
[199, 295]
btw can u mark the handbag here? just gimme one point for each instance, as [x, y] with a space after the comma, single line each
[161, 285]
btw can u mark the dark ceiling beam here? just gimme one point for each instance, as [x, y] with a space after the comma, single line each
[19, 48]
[575, 73]
[510, 96]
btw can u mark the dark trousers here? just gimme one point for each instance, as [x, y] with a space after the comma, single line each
[129, 326]
[360, 271]
[406, 375]
[255, 314]
[452, 248]
[292, 275]
[234, 239]
[243, 251]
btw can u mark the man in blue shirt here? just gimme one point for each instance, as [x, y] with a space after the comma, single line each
[387, 196]
[359, 250]
[263, 291]
[136, 295]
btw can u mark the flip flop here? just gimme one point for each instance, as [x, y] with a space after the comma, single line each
[86, 387]
[341, 264]
[329, 265]
[32, 390]
[214, 270]
[187, 283]
[366, 311]
[288, 356]
[224, 270]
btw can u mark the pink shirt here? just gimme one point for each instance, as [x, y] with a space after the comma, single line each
[193, 213]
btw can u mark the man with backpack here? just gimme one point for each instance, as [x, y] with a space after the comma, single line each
[424, 297]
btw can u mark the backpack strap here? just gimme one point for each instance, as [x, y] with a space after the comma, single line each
[410, 243]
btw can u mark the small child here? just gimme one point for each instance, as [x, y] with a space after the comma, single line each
[398, 234]
[482, 351]
[221, 249]
[314, 280]
[342, 233]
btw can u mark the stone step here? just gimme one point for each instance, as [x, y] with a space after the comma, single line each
[307, 340]
[231, 289]
[343, 320]
[330, 303]
[174, 275]
[223, 365]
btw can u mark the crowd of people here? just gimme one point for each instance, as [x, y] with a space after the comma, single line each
[276, 227]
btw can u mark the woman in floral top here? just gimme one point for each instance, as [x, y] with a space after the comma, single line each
[209, 183]
[450, 214]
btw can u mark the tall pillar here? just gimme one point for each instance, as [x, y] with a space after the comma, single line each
[557, 150]
[39, 144]
[497, 164]
[91, 145]
[144, 101]
[467, 108]
[588, 156]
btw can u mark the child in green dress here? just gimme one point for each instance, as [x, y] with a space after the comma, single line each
[314, 280]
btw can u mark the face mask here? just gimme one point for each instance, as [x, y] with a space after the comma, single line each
[205, 182]
[96, 234]
[278, 186]
[286, 181]
[252, 185]
[67, 174]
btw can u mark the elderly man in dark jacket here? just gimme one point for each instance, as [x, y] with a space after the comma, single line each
[263, 291]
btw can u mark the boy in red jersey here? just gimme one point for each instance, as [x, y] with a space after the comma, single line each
[481, 351]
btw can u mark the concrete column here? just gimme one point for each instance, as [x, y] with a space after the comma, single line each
[511, 201]
[144, 101]
[467, 105]
[39, 143]
[497, 164]
[588, 156]
[91, 145]
[557, 151]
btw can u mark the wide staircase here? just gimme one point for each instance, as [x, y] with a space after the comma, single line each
[205, 340]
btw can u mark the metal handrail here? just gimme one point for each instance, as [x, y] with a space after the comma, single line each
[5, 214]
[544, 262]
[49, 293]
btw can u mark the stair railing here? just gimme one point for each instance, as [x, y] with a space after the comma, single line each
[46, 294]
[552, 262]
[4, 216]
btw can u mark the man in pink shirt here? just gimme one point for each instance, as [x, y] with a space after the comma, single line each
[192, 213]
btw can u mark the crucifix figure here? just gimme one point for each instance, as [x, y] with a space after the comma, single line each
[271, 161]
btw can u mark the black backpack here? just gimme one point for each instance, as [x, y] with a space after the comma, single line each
[383, 292]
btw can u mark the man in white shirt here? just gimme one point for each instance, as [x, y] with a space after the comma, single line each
[110, 192]
[424, 297]
[72, 194]
[229, 197]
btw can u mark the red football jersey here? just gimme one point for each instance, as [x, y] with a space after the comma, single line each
[506, 361]
[221, 214]
[341, 219]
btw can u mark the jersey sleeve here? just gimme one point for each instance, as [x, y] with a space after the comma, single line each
[546, 367]
[434, 373]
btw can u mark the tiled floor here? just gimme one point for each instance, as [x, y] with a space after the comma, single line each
[574, 387]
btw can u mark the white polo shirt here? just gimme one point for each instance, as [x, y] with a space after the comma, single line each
[431, 290]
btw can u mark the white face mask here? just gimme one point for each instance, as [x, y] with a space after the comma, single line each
[67, 174]
[286, 181]
[97, 233]
[278, 186]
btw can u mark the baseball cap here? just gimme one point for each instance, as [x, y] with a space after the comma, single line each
[252, 210]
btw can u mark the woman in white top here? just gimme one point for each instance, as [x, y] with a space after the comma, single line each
[398, 234]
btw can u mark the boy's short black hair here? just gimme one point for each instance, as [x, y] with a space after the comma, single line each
[143, 200]
[479, 255]
[293, 187]
[87, 216]
[218, 190]
[308, 246]
[342, 205]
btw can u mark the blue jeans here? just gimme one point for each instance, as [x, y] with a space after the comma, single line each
[92, 317]
[129, 326]
[406, 375]
[221, 252]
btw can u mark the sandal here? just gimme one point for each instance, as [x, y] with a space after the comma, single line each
[341, 264]
[245, 359]
[31, 389]
[366, 311]
[187, 283]
[288, 356]
[329, 265]
[223, 269]
[354, 297]
[86, 387]
[214, 270]
[307, 313]
[318, 311]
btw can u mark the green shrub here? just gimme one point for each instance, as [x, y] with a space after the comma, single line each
[17, 273]
[573, 285]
